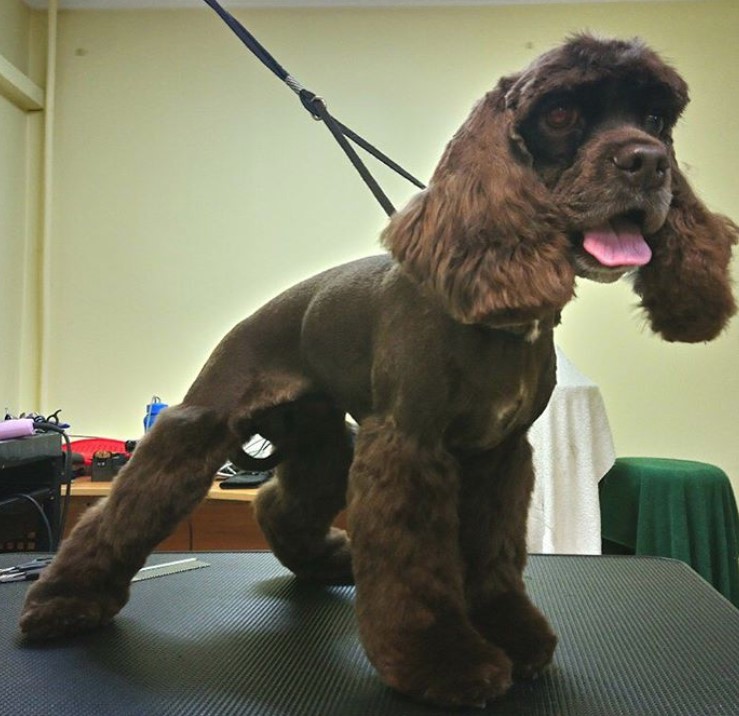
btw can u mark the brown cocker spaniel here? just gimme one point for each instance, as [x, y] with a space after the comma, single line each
[443, 354]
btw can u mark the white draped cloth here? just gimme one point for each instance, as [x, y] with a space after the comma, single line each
[573, 450]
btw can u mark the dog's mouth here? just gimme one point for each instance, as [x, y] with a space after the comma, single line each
[610, 248]
[618, 242]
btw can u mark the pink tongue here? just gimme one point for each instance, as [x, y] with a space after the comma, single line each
[618, 243]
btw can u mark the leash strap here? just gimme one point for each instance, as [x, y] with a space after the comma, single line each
[319, 111]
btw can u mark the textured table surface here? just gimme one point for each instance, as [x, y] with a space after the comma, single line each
[637, 636]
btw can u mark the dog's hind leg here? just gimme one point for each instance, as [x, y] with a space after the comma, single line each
[169, 474]
[493, 510]
[296, 508]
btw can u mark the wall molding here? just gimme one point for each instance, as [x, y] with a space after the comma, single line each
[18, 88]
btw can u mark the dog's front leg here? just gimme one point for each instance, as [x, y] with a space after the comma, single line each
[494, 502]
[169, 474]
[403, 500]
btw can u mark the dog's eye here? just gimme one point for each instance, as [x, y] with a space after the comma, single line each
[654, 123]
[562, 116]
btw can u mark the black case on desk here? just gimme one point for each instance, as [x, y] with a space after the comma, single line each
[638, 637]
[33, 466]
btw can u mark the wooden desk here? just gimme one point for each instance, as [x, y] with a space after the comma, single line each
[224, 520]
[85, 487]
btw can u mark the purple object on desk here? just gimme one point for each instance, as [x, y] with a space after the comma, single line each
[18, 428]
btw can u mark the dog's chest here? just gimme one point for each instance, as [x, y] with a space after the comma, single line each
[503, 391]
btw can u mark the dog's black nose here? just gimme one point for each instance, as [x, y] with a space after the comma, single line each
[643, 165]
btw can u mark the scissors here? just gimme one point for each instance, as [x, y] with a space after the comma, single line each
[26, 572]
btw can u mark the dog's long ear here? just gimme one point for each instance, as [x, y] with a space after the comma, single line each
[484, 237]
[686, 288]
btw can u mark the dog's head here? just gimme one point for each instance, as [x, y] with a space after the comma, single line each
[568, 169]
[595, 121]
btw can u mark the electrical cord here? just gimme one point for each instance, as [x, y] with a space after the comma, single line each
[45, 426]
[40, 510]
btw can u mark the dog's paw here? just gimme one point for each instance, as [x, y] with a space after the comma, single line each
[462, 673]
[62, 616]
[531, 656]
[333, 565]
[51, 611]
[471, 684]
[513, 623]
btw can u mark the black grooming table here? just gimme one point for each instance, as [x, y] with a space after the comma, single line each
[638, 636]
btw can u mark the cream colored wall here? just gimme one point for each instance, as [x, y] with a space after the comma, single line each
[20, 44]
[190, 187]
[12, 222]
[15, 30]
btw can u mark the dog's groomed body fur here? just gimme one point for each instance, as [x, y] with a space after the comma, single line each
[443, 354]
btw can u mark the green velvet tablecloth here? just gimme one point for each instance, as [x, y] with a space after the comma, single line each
[674, 508]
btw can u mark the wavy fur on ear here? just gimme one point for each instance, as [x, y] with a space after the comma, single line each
[686, 288]
[484, 237]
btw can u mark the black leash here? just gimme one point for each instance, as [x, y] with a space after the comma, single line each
[318, 110]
